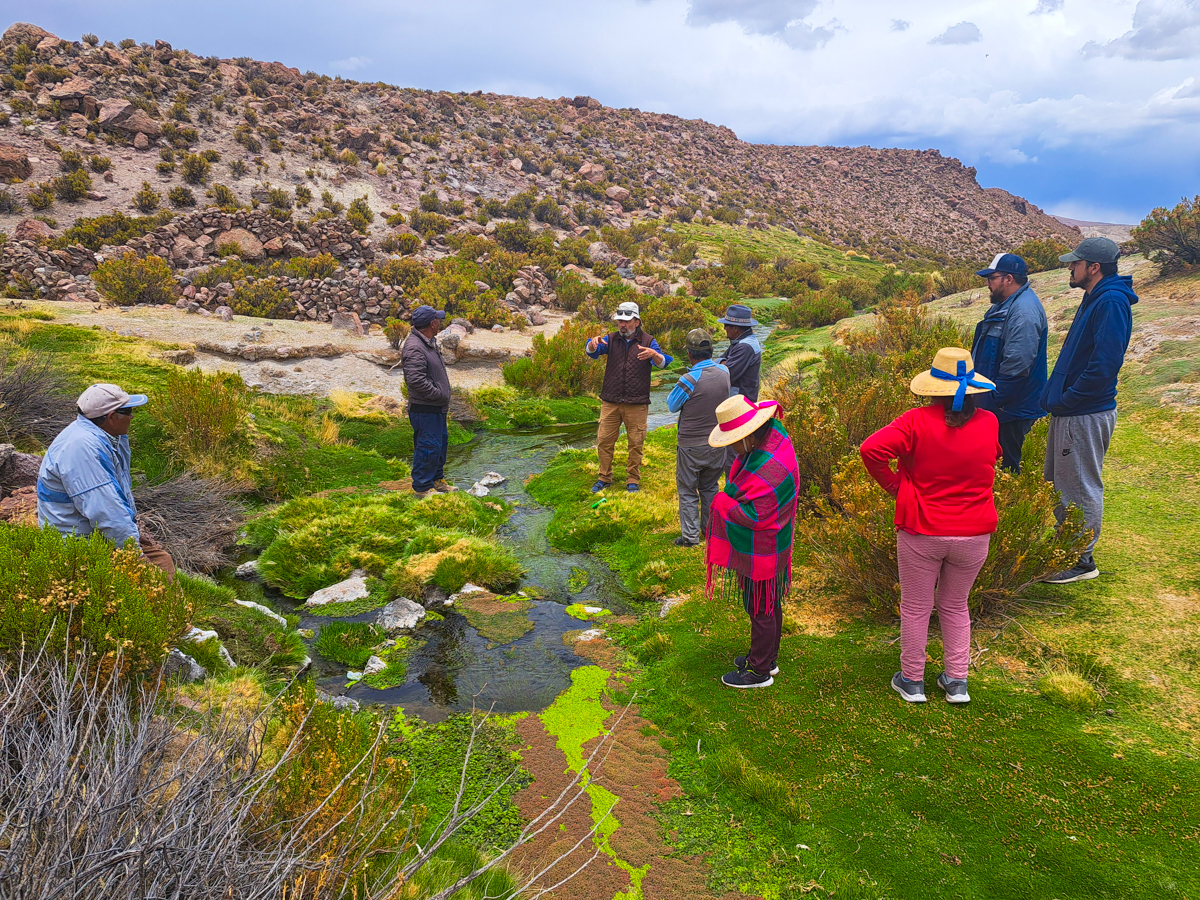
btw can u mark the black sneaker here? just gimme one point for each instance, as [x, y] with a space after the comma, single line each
[956, 689]
[600, 485]
[681, 541]
[912, 691]
[1080, 572]
[746, 678]
[741, 663]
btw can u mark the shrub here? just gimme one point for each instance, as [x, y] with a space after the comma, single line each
[572, 290]
[223, 196]
[181, 197]
[670, 318]
[1171, 237]
[558, 366]
[396, 330]
[429, 224]
[73, 186]
[1069, 690]
[41, 197]
[33, 400]
[99, 164]
[323, 265]
[278, 198]
[147, 199]
[348, 643]
[813, 310]
[9, 204]
[360, 214]
[956, 280]
[401, 273]
[129, 280]
[196, 520]
[114, 229]
[404, 244]
[71, 591]
[262, 297]
[449, 558]
[859, 291]
[204, 420]
[195, 168]
[70, 161]
[303, 194]
[1042, 256]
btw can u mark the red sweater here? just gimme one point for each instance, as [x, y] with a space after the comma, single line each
[944, 483]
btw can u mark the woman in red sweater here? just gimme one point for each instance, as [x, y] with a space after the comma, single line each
[945, 515]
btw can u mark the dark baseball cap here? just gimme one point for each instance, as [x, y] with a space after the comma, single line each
[423, 315]
[1094, 249]
[1005, 264]
[698, 339]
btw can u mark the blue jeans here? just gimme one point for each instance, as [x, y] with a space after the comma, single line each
[431, 438]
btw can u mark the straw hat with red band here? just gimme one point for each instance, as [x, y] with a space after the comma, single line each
[739, 417]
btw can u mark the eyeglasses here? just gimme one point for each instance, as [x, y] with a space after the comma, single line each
[996, 275]
[124, 411]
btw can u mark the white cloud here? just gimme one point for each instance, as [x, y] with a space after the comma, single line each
[962, 33]
[1162, 30]
[800, 36]
[900, 25]
[1047, 6]
[350, 64]
[755, 16]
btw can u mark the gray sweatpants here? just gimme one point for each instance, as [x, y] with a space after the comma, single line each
[697, 471]
[1075, 451]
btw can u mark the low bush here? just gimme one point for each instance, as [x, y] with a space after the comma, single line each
[1069, 690]
[1171, 237]
[405, 243]
[429, 224]
[558, 366]
[70, 160]
[147, 199]
[223, 196]
[449, 558]
[40, 197]
[196, 520]
[402, 273]
[323, 265]
[204, 420]
[195, 168]
[72, 186]
[266, 298]
[360, 214]
[181, 197]
[99, 164]
[670, 318]
[396, 330]
[956, 280]
[571, 290]
[1042, 255]
[129, 279]
[34, 405]
[10, 204]
[68, 593]
[113, 229]
[348, 643]
[859, 291]
[813, 310]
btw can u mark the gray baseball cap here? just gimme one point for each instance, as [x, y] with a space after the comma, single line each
[101, 399]
[1094, 249]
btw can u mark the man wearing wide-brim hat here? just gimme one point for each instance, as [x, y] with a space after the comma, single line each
[743, 359]
[1081, 395]
[629, 355]
[85, 484]
[751, 529]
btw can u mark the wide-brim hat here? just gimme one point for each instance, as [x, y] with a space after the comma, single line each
[953, 370]
[627, 312]
[738, 315]
[739, 417]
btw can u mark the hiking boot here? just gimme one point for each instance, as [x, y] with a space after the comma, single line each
[421, 495]
[442, 486]
[681, 541]
[632, 488]
[742, 662]
[911, 691]
[956, 689]
[600, 485]
[746, 678]
[1082, 571]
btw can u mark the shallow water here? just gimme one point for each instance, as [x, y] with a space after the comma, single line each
[457, 668]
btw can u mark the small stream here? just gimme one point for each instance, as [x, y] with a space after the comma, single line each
[456, 667]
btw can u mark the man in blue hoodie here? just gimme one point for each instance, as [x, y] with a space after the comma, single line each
[1081, 394]
[1010, 349]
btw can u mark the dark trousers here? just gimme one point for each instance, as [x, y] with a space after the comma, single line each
[431, 438]
[1012, 440]
[765, 633]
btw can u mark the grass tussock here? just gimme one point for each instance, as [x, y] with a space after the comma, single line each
[349, 643]
[195, 519]
[204, 418]
[1069, 690]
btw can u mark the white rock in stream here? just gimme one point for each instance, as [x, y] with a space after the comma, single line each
[592, 634]
[247, 571]
[478, 489]
[353, 588]
[491, 479]
[400, 614]
[374, 666]
[258, 607]
[594, 610]
[199, 636]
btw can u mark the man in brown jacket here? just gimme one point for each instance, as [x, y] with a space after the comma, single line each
[428, 399]
[625, 395]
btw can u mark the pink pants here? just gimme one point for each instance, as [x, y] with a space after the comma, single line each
[941, 571]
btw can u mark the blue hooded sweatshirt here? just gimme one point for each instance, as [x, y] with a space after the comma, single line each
[1084, 380]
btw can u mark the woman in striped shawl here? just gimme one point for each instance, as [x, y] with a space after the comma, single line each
[751, 529]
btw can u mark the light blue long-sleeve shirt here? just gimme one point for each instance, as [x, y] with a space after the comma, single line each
[682, 392]
[85, 485]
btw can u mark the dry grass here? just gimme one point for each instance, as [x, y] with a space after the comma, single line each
[1069, 690]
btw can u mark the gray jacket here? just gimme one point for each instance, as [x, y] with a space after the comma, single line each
[424, 371]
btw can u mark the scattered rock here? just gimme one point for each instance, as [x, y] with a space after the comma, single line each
[141, 142]
[515, 164]
[226, 313]
[374, 666]
[593, 172]
[339, 702]
[348, 322]
[247, 571]
[32, 230]
[399, 615]
[182, 357]
[14, 163]
[669, 604]
[17, 469]
[258, 607]
[248, 246]
[592, 634]
[200, 635]
[617, 193]
[478, 490]
[491, 479]
[178, 665]
[353, 588]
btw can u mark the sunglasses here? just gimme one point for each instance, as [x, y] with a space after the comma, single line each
[124, 411]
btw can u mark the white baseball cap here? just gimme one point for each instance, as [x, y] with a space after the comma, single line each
[101, 399]
[626, 311]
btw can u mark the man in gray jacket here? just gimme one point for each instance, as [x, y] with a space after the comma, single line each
[428, 400]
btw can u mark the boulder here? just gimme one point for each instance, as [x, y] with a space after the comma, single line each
[225, 313]
[515, 164]
[478, 490]
[32, 230]
[348, 322]
[181, 666]
[24, 33]
[200, 635]
[491, 479]
[353, 588]
[247, 571]
[17, 470]
[20, 507]
[399, 615]
[249, 247]
[14, 163]
[141, 142]
[617, 193]
[339, 702]
[374, 666]
[121, 115]
[71, 89]
[593, 172]
[356, 138]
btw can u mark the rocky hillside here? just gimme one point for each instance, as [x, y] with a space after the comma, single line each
[199, 131]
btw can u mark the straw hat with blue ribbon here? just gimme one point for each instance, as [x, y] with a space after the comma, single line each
[952, 375]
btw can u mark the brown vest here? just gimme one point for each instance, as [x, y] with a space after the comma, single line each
[626, 378]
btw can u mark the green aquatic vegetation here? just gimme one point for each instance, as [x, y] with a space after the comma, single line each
[577, 579]
[252, 639]
[449, 559]
[348, 643]
[580, 611]
[499, 619]
[397, 664]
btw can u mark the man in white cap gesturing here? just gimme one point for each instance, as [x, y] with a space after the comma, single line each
[84, 483]
[625, 394]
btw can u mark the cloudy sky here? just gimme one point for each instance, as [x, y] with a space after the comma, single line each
[1090, 108]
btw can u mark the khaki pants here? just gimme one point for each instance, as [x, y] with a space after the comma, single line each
[612, 417]
[155, 554]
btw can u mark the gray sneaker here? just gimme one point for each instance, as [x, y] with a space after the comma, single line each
[1082, 571]
[956, 690]
[911, 691]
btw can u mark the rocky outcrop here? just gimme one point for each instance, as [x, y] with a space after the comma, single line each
[14, 163]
